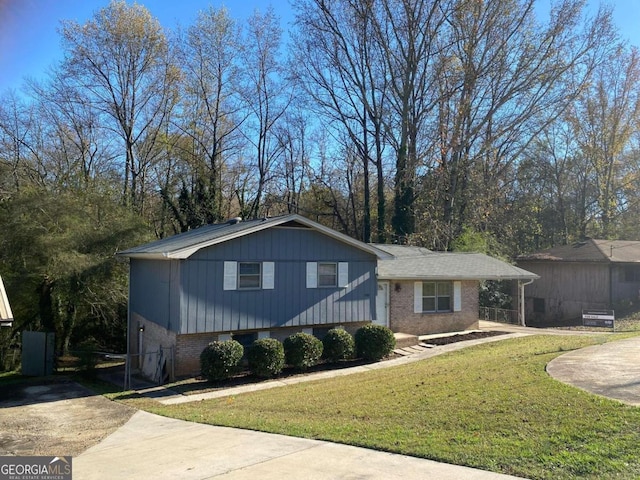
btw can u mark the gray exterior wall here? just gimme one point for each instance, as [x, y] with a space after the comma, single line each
[187, 296]
[570, 287]
[154, 291]
[625, 289]
[566, 288]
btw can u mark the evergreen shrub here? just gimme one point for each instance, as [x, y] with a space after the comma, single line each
[266, 357]
[220, 360]
[302, 350]
[374, 342]
[338, 345]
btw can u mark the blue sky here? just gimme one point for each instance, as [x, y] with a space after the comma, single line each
[29, 42]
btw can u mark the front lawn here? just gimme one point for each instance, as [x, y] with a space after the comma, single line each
[492, 407]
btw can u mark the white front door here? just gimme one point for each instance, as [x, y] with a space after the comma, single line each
[382, 304]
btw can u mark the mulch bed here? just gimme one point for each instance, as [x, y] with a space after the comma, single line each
[461, 337]
[200, 384]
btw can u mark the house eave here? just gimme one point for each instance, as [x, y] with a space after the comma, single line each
[424, 278]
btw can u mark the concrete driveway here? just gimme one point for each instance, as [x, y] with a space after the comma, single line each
[55, 416]
[611, 370]
[150, 446]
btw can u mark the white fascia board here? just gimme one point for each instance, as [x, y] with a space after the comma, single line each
[144, 256]
[426, 278]
[187, 252]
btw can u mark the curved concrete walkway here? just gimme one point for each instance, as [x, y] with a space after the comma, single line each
[611, 369]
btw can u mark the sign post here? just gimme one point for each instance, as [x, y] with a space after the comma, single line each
[598, 318]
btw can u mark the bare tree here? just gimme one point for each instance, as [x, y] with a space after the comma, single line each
[604, 120]
[337, 60]
[22, 142]
[266, 98]
[505, 79]
[410, 34]
[79, 153]
[211, 111]
[294, 169]
[120, 60]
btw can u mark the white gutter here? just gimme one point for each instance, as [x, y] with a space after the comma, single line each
[522, 285]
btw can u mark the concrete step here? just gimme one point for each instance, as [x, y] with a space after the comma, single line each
[406, 340]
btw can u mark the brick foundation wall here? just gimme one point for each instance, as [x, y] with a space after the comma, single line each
[153, 338]
[402, 318]
[189, 346]
[188, 350]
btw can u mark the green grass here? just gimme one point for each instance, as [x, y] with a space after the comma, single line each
[492, 407]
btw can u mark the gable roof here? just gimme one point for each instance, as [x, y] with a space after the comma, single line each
[6, 316]
[414, 263]
[183, 245]
[590, 250]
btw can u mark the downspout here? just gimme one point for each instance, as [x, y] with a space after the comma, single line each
[522, 285]
[127, 363]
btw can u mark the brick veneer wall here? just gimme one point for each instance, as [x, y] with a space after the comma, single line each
[182, 351]
[154, 337]
[190, 346]
[402, 318]
[188, 350]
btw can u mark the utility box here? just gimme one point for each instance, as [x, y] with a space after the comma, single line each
[37, 353]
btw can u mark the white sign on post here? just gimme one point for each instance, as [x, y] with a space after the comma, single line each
[598, 318]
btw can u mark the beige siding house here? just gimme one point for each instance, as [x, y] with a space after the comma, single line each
[589, 275]
[421, 292]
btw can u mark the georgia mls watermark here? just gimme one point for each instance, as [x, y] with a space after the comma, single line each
[35, 468]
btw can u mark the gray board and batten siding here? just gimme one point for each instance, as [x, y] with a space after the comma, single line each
[187, 295]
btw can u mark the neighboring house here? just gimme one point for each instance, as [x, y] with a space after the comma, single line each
[260, 278]
[434, 292]
[589, 275]
[6, 317]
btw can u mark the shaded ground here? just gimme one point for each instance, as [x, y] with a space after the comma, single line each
[55, 417]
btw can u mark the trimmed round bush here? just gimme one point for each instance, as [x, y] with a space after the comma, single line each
[302, 350]
[338, 345]
[374, 342]
[220, 360]
[266, 357]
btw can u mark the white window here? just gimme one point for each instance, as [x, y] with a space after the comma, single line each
[249, 275]
[327, 274]
[437, 297]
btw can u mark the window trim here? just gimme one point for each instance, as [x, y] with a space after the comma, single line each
[437, 296]
[313, 274]
[334, 274]
[231, 276]
[455, 296]
[247, 275]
